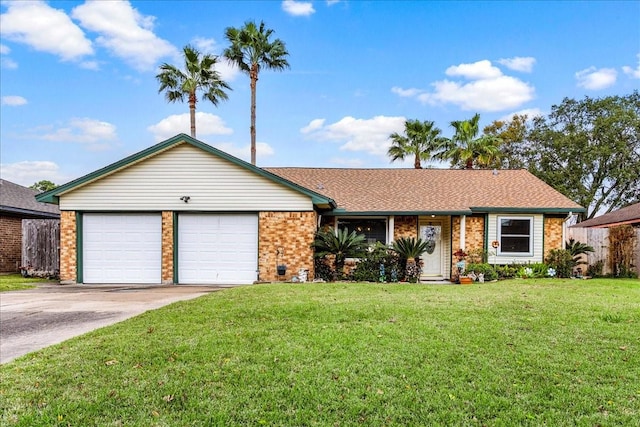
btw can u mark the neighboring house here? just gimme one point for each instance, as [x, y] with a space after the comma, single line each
[18, 203]
[184, 212]
[627, 215]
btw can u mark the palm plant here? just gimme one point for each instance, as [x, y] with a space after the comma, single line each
[577, 249]
[251, 50]
[466, 148]
[199, 74]
[339, 243]
[420, 140]
[410, 249]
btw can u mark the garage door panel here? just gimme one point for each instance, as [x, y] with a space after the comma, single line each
[217, 248]
[122, 248]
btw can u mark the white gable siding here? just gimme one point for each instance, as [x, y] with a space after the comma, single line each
[212, 183]
[538, 237]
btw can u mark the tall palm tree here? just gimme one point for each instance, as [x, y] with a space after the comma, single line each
[251, 50]
[198, 75]
[420, 140]
[466, 148]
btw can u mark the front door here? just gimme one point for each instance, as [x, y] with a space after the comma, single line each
[432, 257]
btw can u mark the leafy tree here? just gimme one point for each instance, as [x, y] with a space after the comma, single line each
[339, 243]
[420, 139]
[512, 134]
[199, 74]
[251, 50]
[589, 150]
[466, 148]
[43, 186]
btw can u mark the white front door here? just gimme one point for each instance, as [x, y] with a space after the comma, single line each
[432, 257]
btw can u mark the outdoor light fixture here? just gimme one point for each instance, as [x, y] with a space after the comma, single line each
[185, 199]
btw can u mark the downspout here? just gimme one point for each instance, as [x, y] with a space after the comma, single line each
[391, 226]
[463, 231]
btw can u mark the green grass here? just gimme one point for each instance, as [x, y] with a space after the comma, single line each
[521, 353]
[15, 282]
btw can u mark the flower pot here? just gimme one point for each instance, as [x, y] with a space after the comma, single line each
[466, 280]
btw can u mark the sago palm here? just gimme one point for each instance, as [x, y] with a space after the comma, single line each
[339, 243]
[420, 139]
[251, 50]
[199, 74]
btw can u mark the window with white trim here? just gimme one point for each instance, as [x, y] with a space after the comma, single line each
[515, 235]
[374, 229]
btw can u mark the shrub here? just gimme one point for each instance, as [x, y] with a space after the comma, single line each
[561, 261]
[621, 244]
[339, 243]
[379, 264]
[323, 270]
[489, 272]
[506, 271]
[596, 269]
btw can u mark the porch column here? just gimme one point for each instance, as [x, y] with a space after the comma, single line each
[463, 226]
[391, 226]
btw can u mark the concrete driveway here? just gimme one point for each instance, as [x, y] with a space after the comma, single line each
[49, 314]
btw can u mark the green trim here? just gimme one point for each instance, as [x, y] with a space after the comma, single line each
[79, 248]
[52, 196]
[175, 247]
[508, 210]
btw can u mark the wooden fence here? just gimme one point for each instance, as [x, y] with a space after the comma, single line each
[41, 247]
[598, 238]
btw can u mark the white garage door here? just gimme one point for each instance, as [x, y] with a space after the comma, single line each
[217, 248]
[122, 248]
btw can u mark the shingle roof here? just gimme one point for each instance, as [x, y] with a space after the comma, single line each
[626, 215]
[430, 190]
[19, 200]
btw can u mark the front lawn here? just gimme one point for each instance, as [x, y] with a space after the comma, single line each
[522, 353]
[15, 282]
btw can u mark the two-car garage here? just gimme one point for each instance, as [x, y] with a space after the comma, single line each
[211, 248]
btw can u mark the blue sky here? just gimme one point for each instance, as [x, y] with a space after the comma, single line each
[78, 88]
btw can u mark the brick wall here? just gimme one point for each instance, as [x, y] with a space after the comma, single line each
[11, 247]
[68, 253]
[405, 226]
[552, 234]
[167, 247]
[285, 238]
[474, 236]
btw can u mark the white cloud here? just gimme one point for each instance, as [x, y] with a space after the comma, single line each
[262, 150]
[45, 29]
[124, 32]
[406, 93]
[4, 49]
[94, 134]
[633, 72]
[594, 79]
[368, 135]
[475, 71]
[529, 112]
[488, 89]
[298, 8]
[519, 63]
[206, 124]
[27, 173]
[13, 100]
[8, 63]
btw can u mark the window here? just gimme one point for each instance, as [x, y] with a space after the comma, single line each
[515, 235]
[374, 230]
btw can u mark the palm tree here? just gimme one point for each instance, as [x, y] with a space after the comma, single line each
[420, 140]
[198, 74]
[252, 50]
[465, 148]
[409, 250]
[339, 243]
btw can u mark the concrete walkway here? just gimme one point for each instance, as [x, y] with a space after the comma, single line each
[49, 314]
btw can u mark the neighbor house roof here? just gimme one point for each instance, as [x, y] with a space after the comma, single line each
[432, 191]
[18, 200]
[53, 195]
[626, 215]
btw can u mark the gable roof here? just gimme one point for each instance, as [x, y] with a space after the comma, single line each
[431, 191]
[18, 200]
[626, 215]
[52, 196]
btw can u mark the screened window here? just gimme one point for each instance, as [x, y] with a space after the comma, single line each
[374, 230]
[515, 235]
